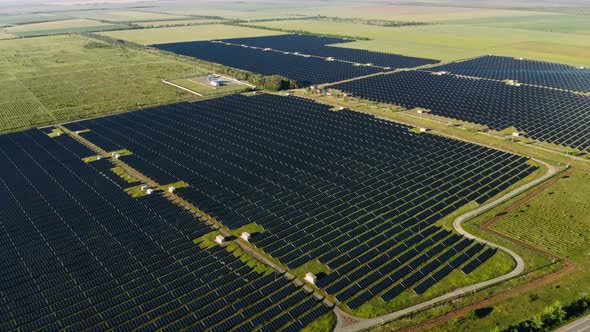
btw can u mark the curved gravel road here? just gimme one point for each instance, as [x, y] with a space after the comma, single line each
[347, 322]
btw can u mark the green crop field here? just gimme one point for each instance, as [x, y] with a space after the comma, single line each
[411, 13]
[188, 33]
[155, 24]
[6, 35]
[560, 23]
[81, 78]
[239, 10]
[123, 15]
[453, 42]
[248, 11]
[32, 18]
[557, 220]
[60, 27]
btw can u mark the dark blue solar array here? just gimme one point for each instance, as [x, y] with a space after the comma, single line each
[539, 73]
[305, 70]
[79, 253]
[314, 45]
[358, 193]
[548, 115]
[476, 262]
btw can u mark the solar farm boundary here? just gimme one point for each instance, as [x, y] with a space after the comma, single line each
[348, 322]
[367, 323]
[420, 123]
[300, 54]
[396, 70]
[200, 216]
[534, 146]
[450, 73]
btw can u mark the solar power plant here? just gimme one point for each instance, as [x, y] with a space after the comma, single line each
[548, 115]
[532, 72]
[79, 253]
[319, 46]
[306, 70]
[357, 193]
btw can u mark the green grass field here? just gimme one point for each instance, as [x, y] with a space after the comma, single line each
[422, 13]
[30, 18]
[189, 33]
[6, 35]
[556, 220]
[123, 15]
[453, 42]
[81, 78]
[559, 23]
[60, 27]
[200, 85]
[251, 11]
[155, 24]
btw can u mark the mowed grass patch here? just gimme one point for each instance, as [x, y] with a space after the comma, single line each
[187, 33]
[60, 27]
[62, 78]
[197, 85]
[325, 323]
[453, 42]
[556, 220]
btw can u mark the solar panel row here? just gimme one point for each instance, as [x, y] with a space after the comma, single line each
[276, 55]
[475, 263]
[305, 70]
[78, 252]
[548, 115]
[533, 72]
[324, 185]
[319, 46]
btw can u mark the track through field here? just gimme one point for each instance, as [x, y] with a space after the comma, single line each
[568, 268]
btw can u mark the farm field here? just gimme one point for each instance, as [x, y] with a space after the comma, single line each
[239, 10]
[189, 33]
[82, 78]
[408, 13]
[60, 27]
[6, 35]
[556, 220]
[271, 193]
[422, 13]
[152, 24]
[453, 42]
[559, 23]
[32, 18]
[123, 15]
